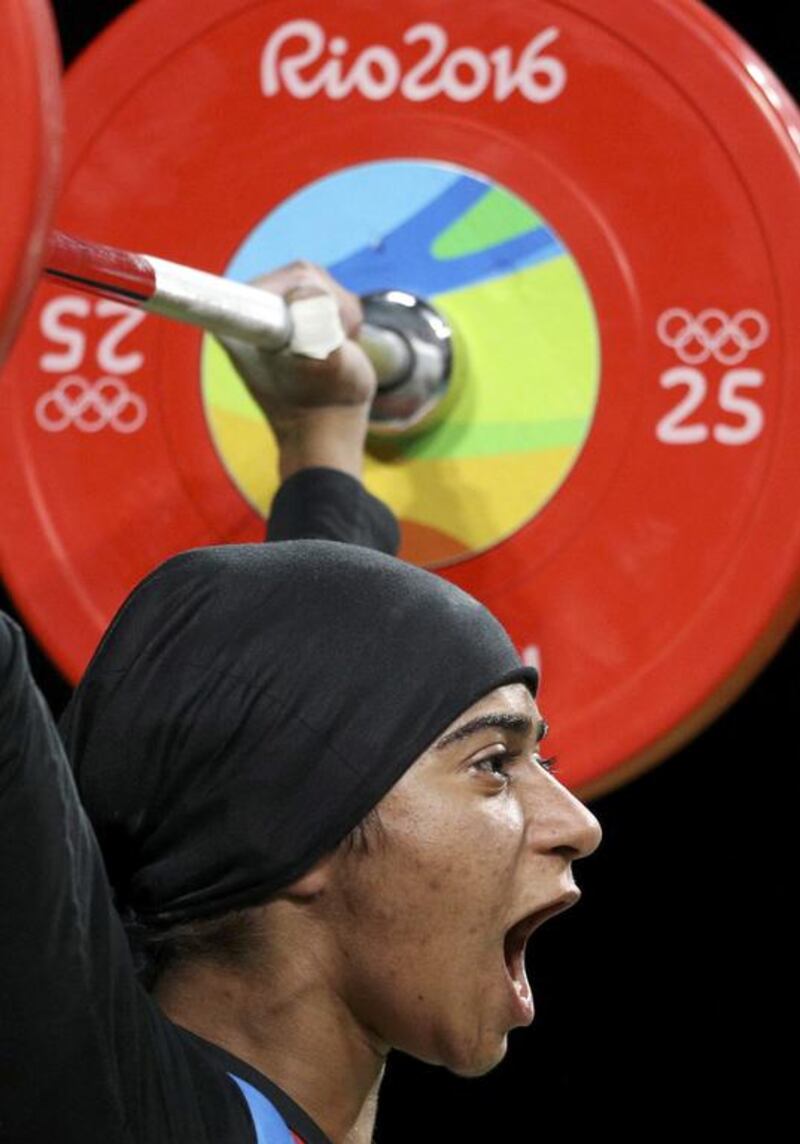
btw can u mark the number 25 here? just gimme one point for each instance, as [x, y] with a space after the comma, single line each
[674, 429]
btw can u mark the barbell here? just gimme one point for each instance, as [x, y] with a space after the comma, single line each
[597, 198]
[408, 343]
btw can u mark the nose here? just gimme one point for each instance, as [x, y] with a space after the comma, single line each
[562, 823]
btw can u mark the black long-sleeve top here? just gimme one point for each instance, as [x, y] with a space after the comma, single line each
[86, 1055]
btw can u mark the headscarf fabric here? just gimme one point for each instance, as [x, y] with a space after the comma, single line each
[250, 704]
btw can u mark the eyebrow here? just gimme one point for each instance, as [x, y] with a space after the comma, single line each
[520, 724]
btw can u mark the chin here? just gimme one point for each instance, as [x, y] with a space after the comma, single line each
[480, 1062]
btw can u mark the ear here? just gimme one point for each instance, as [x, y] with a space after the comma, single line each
[313, 883]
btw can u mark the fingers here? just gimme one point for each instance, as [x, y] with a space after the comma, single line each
[303, 279]
[318, 369]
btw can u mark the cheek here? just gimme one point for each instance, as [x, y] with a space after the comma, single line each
[422, 919]
[388, 895]
[391, 957]
[444, 868]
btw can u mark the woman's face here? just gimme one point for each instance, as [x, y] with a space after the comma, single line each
[475, 838]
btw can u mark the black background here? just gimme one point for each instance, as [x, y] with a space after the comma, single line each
[660, 997]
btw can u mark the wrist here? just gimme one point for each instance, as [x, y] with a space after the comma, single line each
[329, 437]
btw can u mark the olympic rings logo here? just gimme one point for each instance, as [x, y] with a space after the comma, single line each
[713, 333]
[91, 406]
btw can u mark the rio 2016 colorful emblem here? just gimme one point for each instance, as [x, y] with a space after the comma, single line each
[526, 350]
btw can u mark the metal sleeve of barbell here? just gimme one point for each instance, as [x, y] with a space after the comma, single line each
[389, 352]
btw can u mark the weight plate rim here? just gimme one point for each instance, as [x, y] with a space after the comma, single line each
[35, 154]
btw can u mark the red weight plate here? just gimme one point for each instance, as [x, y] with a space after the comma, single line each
[659, 567]
[30, 138]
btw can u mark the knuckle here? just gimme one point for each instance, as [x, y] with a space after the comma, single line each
[302, 267]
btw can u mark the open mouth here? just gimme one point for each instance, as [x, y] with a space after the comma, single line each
[517, 937]
[514, 946]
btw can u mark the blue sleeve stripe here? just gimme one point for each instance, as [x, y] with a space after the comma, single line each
[269, 1124]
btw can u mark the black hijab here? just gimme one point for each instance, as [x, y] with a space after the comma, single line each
[251, 703]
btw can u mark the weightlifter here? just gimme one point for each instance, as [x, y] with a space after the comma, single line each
[304, 821]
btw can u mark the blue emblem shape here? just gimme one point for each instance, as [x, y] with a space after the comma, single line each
[402, 259]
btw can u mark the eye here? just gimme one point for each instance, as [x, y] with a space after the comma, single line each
[495, 765]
